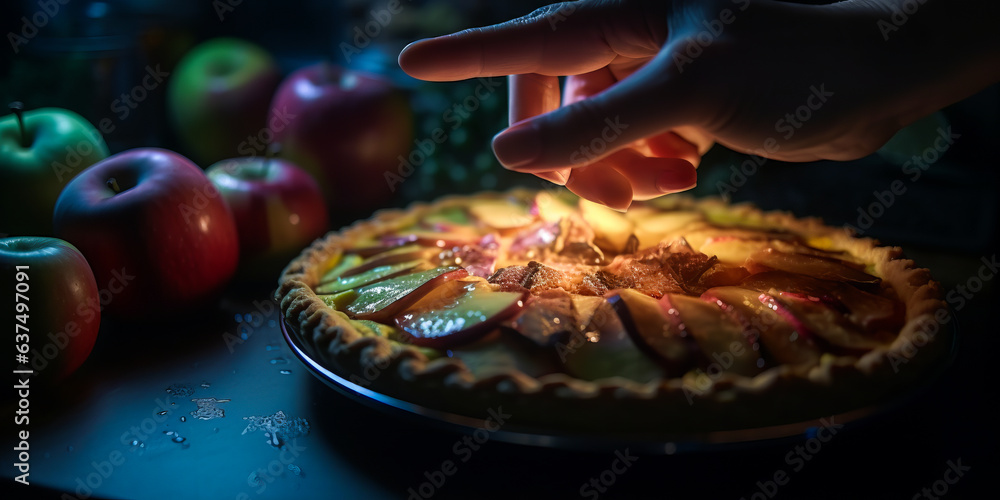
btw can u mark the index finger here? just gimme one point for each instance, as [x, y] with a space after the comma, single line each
[560, 39]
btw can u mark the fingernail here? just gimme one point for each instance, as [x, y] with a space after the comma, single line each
[517, 146]
[671, 182]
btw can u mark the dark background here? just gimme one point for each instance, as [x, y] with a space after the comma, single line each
[947, 220]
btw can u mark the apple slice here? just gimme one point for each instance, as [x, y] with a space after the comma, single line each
[370, 276]
[811, 265]
[406, 253]
[439, 235]
[382, 300]
[602, 347]
[502, 214]
[719, 336]
[820, 321]
[474, 312]
[611, 229]
[547, 318]
[502, 351]
[869, 311]
[779, 339]
[660, 226]
[339, 300]
[551, 208]
[345, 263]
[655, 331]
[732, 250]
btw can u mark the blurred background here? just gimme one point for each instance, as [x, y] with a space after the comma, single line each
[83, 55]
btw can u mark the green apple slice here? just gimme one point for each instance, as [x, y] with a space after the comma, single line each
[382, 300]
[397, 255]
[367, 277]
[346, 262]
[474, 312]
[339, 300]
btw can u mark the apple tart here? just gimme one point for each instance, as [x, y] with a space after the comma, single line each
[681, 315]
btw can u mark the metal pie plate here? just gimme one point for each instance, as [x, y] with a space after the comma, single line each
[665, 443]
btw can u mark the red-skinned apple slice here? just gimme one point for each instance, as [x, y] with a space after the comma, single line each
[719, 336]
[820, 321]
[385, 299]
[655, 331]
[780, 341]
[475, 311]
[812, 265]
[867, 310]
[602, 347]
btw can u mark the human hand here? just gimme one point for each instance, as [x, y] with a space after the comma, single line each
[651, 84]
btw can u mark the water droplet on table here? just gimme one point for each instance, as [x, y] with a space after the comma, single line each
[279, 361]
[183, 418]
[285, 372]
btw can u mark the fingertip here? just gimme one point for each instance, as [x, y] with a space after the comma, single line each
[517, 146]
[681, 177]
[435, 59]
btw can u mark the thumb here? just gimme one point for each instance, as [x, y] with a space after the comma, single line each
[639, 106]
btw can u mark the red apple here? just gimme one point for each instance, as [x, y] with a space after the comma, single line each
[348, 129]
[278, 208]
[152, 218]
[218, 99]
[54, 304]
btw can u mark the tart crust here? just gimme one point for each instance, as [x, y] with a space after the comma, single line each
[689, 404]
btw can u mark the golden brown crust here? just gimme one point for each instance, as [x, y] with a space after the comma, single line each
[689, 404]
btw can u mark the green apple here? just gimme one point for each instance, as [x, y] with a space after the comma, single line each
[218, 99]
[40, 151]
